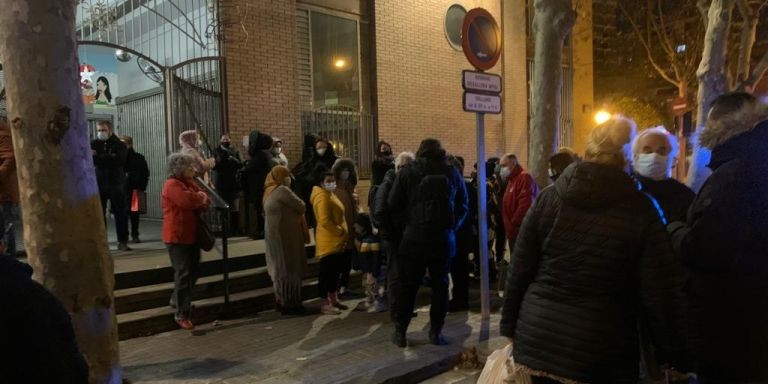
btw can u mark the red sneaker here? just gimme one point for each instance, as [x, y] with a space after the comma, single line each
[185, 324]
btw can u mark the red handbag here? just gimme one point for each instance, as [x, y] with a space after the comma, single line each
[139, 201]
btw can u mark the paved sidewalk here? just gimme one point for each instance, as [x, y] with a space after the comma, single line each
[351, 348]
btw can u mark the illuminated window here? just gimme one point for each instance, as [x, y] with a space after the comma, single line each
[335, 61]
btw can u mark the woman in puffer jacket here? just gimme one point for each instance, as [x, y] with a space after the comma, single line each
[593, 260]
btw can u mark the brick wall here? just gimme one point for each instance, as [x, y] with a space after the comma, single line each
[261, 70]
[419, 79]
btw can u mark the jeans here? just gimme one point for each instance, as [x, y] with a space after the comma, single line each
[9, 214]
[416, 259]
[116, 197]
[185, 260]
[330, 274]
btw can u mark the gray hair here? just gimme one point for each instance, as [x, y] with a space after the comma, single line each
[658, 131]
[178, 162]
[404, 158]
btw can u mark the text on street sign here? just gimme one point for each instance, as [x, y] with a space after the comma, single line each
[483, 82]
[482, 103]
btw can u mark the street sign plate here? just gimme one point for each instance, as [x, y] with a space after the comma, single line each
[482, 82]
[482, 103]
[481, 39]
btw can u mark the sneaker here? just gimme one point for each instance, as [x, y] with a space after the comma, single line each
[123, 247]
[185, 324]
[436, 338]
[377, 307]
[328, 309]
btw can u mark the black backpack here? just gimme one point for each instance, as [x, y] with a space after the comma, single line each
[432, 205]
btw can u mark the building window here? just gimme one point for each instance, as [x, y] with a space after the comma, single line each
[335, 61]
[454, 21]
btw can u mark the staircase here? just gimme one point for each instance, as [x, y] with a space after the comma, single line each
[141, 297]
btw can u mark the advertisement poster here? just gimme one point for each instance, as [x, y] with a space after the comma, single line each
[98, 78]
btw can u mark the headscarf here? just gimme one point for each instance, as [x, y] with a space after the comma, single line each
[275, 178]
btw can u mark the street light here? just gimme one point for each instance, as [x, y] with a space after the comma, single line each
[602, 116]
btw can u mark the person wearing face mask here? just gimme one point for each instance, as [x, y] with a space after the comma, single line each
[278, 157]
[560, 161]
[109, 156]
[519, 194]
[346, 184]
[331, 238]
[591, 260]
[322, 156]
[228, 164]
[653, 154]
[256, 169]
[286, 257]
[190, 142]
[383, 161]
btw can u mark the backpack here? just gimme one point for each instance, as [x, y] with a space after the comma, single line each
[432, 208]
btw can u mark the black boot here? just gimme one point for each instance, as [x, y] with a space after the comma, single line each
[398, 338]
[436, 336]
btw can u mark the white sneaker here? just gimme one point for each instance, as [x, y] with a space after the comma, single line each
[377, 307]
[328, 309]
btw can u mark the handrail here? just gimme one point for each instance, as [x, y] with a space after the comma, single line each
[223, 207]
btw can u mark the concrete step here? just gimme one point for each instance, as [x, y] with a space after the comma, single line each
[160, 319]
[157, 295]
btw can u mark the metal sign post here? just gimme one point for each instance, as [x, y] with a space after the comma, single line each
[481, 41]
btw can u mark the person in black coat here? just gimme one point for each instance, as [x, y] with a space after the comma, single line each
[390, 223]
[255, 172]
[307, 172]
[383, 161]
[137, 172]
[592, 260]
[724, 245]
[109, 155]
[38, 342]
[654, 151]
[228, 164]
[436, 210]
[466, 243]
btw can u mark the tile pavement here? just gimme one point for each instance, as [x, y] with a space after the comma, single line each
[351, 348]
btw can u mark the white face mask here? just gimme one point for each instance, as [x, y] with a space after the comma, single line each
[287, 181]
[276, 151]
[103, 136]
[330, 187]
[345, 175]
[504, 172]
[652, 166]
[551, 172]
[321, 151]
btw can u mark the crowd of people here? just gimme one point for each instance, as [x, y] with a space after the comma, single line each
[613, 266]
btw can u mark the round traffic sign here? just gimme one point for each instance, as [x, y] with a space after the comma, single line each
[481, 39]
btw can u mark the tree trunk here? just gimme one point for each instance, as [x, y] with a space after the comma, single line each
[713, 82]
[553, 20]
[64, 229]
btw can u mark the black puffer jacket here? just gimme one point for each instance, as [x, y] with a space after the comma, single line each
[673, 196]
[592, 259]
[259, 165]
[389, 221]
[724, 245]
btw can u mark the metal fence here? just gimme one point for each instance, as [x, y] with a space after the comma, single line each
[351, 132]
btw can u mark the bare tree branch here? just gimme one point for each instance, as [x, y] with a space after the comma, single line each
[646, 44]
[747, 40]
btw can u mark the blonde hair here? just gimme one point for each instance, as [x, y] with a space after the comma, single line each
[609, 142]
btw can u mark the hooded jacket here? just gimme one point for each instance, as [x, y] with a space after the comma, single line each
[519, 193]
[188, 142]
[724, 245]
[332, 232]
[9, 184]
[347, 194]
[591, 260]
[259, 164]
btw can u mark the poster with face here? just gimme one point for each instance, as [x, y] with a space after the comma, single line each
[98, 77]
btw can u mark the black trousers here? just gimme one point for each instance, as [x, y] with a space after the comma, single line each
[394, 274]
[135, 219]
[346, 268]
[185, 260]
[330, 274]
[117, 199]
[417, 258]
[460, 277]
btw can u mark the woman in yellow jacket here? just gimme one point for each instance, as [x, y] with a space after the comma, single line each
[331, 237]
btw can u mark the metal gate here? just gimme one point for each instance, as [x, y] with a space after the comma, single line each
[195, 100]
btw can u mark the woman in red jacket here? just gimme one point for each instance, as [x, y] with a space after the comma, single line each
[182, 201]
